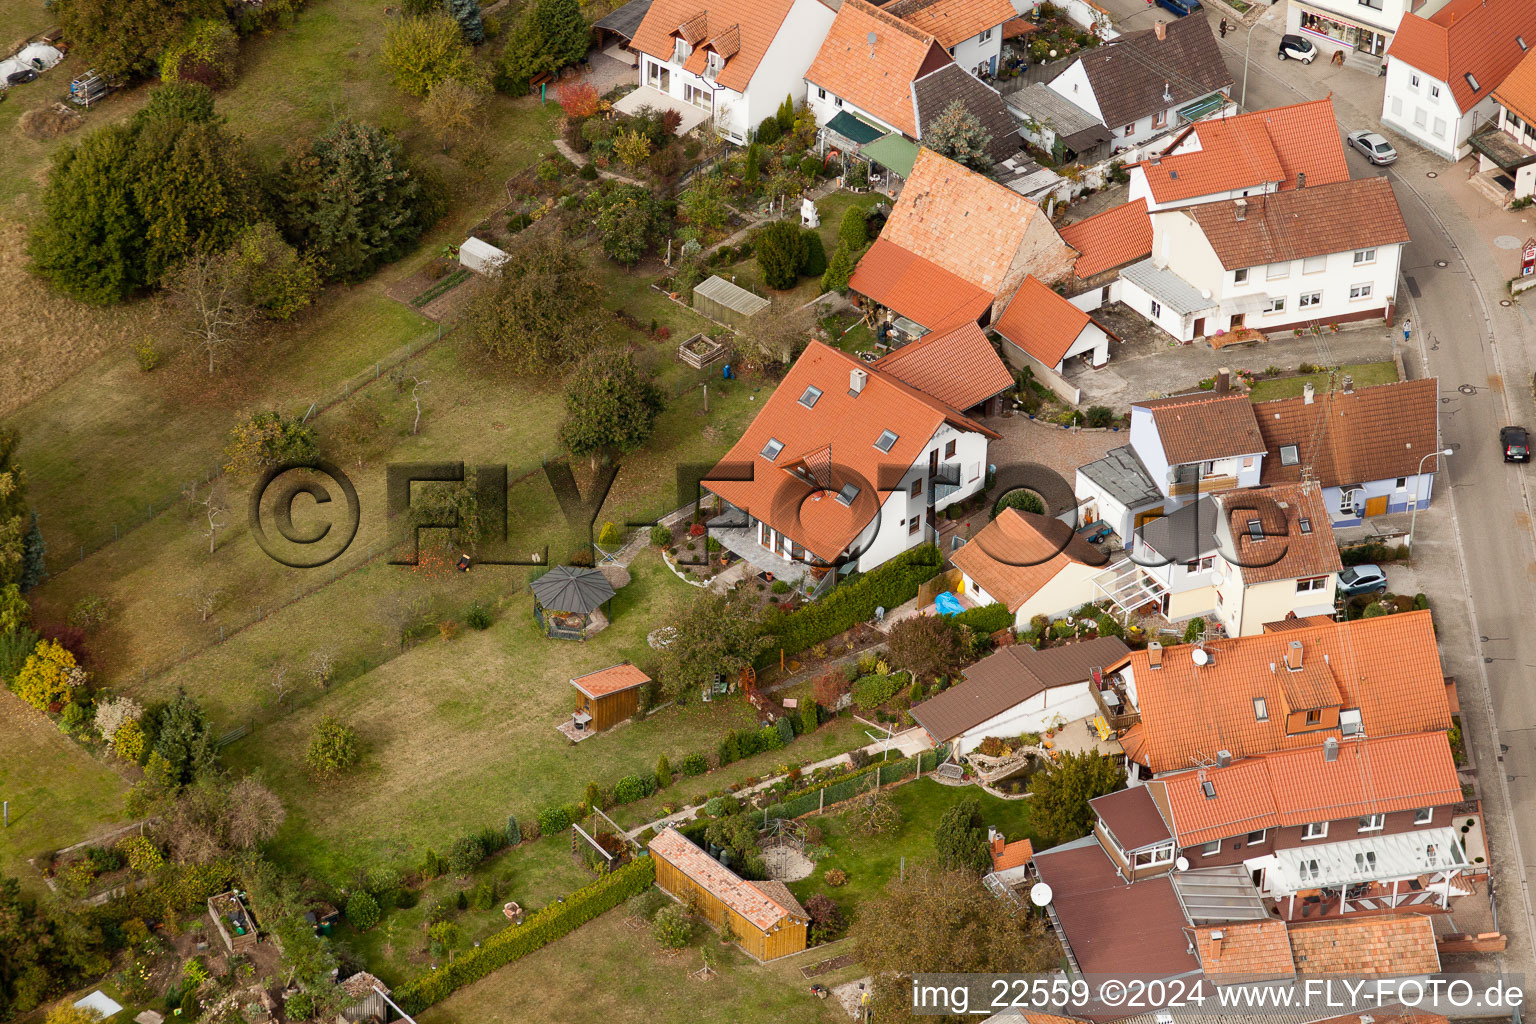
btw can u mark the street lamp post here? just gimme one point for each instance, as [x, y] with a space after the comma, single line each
[1413, 520]
[1248, 48]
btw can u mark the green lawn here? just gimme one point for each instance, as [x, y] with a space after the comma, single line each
[872, 861]
[1364, 374]
[608, 971]
[59, 794]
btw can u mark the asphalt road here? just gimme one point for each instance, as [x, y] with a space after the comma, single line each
[1482, 352]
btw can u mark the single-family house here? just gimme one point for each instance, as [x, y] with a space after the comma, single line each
[765, 916]
[846, 465]
[1275, 262]
[1018, 689]
[608, 696]
[1508, 145]
[1148, 83]
[1276, 556]
[729, 62]
[1033, 564]
[955, 243]
[1373, 450]
[1244, 155]
[1042, 330]
[971, 31]
[1442, 70]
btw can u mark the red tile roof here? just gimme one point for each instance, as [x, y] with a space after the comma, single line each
[1375, 433]
[963, 221]
[1518, 90]
[1204, 427]
[959, 367]
[875, 79]
[1041, 322]
[1117, 236]
[953, 21]
[1245, 951]
[916, 288]
[746, 898]
[1475, 37]
[1017, 553]
[1401, 945]
[1297, 534]
[1297, 787]
[1011, 855]
[601, 683]
[1388, 667]
[1249, 150]
[739, 30]
[839, 435]
[1302, 222]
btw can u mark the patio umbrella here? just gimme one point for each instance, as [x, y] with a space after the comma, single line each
[567, 588]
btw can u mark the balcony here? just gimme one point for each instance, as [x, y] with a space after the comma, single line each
[1204, 485]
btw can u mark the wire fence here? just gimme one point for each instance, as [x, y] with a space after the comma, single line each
[59, 559]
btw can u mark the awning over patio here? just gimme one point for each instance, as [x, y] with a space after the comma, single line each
[1497, 146]
[649, 96]
[1244, 304]
[568, 588]
[1381, 858]
[854, 128]
[893, 151]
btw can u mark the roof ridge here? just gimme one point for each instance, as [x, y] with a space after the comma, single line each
[890, 20]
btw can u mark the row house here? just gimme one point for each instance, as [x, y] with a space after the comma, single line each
[1442, 70]
[971, 31]
[1146, 84]
[846, 465]
[728, 62]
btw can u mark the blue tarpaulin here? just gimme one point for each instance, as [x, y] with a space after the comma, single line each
[948, 604]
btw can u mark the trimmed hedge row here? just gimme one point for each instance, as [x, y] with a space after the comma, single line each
[539, 929]
[892, 584]
[986, 620]
[851, 785]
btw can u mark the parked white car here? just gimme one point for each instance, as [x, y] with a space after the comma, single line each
[1297, 48]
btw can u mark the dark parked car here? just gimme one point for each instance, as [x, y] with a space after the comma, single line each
[1362, 579]
[1516, 443]
[1180, 7]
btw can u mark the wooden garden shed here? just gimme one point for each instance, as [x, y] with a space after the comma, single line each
[722, 301]
[767, 919]
[608, 696]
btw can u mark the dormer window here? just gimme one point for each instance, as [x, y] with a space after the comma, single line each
[886, 441]
[682, 51]
[772, 448]
[809, 398]
[713, 65]
[847, 494]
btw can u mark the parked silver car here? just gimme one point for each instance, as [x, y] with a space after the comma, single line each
[1375, 148]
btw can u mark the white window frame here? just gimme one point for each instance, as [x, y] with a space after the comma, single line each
[1284, 271]
[1211, 849]
[1314, 264]
[1360, 291]
[1240, 276]
[1372, 823]
[1157, 309]
[1434, 92]
[1424, 816]
[1155, 857]
[1402, 483]
[1309, 299]
[821, 93]
[1413, 81]
[1275, 306]
[1262, 833]
[1311, 583]
[1260, 709]
[1364, 256]
[1202, 564]
[986, 36]
[1314, 830]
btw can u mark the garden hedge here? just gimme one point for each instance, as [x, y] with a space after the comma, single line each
[539, 929]
[986, 620]
[892, 584]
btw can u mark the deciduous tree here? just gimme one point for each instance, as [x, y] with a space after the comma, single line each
[611, 406]
[333, 749]
[713, 634]
[927, 646]
[278, 281]
[207, 53]
[209, 293]
[421, 52]
[958, 134]
[1061, 791]
[50, 674]
[543, 315]
[13, 513]
[453, 111]
[268, 439]
[127, 37]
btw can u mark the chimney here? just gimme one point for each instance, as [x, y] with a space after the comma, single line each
[1155, 159]
[1242, 209]
[1161, 28]
[1155, 654]
[1223, 758]
[1330, 749]
[856, 381]
[1223, 380]
[1301, 179]
[1349, 385]
[1308, 393]
[1293, 656]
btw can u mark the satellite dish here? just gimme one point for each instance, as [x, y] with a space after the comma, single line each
[1040, 894]
[1200, 657]
[1182, 863]
[1205, 293]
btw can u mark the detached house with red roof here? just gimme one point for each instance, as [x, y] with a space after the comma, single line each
[729, 62]
[847, 464]
[1443, 68]
[1506, 148]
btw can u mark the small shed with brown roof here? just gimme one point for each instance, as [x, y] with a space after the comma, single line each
[767, 919]
[1043, 329]
[608, 696]
[1034, 564]
[1131, 823]
[1018, 689]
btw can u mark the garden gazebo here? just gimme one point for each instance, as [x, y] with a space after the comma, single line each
[568, 600]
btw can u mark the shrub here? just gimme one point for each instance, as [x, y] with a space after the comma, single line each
[537, 930]
[514, 831]
[1021, 499]
[695, 764]
[142, 854]
[90, 612]
[810, 166]
[1374, 610]
[872, 691]
[1193, 629]
[826, 919]
[426, 51]
[986, 620]
[661, 536]
[465, 854]
[663, 772]
[810, 715]
[854, 229]
[634, 787]
[553, 820]
[780, 587]
[588, 172]
[786, 730]
[267, 439]
[333, 749]
[780, 249]
[362, 911]
[815, 262]
[49, 674]
[961, 837]
[1099, 416]
[835, 877]
[672, 927]
[432, 866]
[578, 99]
[299, 1006]
[129, 742]
[768, 132]
[478, 616]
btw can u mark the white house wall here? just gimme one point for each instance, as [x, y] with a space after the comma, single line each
[1033, 715]
[728, 113]
[1064, 593]
[782, 70]
[1149, 447]
[1073, 84]
[1179, 325]
[974, 52]
[1412, 107]
[1416, 491]
[891, 534]
[1092, 341]
[1091, 499]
